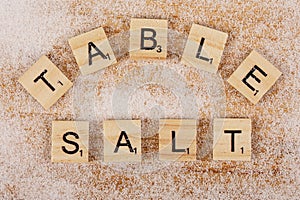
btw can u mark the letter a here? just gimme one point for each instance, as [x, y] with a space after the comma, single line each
[99, 52]
[123, 133]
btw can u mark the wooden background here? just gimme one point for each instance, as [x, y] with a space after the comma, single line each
[31, 28]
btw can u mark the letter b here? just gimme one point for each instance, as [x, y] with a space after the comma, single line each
[152, 38]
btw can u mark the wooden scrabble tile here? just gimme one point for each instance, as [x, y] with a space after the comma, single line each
[148, 38]
[122, 140]
[204, 48]
[45, 82]
[232, 139]
[70, 141]
[92, 51]
[177, 140]
[254, 77]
